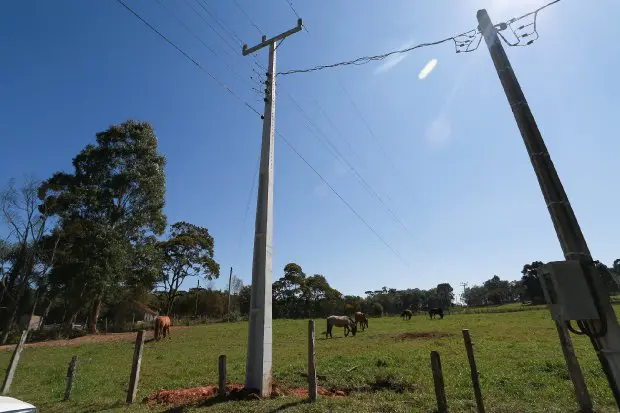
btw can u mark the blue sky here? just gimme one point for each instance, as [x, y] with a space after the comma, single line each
[443, 152]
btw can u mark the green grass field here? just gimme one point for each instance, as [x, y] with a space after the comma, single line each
[518, 355]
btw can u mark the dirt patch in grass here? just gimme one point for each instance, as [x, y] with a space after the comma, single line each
[92, 339]
[209, 394]
[423, 335]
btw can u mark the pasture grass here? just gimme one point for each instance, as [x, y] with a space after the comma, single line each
[518, 355]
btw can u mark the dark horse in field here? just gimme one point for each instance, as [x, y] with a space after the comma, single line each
[361, 320]
[406, 315]
[435, 311]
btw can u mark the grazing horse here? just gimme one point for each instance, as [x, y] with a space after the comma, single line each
[406, 315]
[361, 319]
[340, 321]
[162, 327]
[435, 311]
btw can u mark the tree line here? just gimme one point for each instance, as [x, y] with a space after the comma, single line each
[79, 243]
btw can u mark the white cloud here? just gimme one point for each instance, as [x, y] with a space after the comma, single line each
[427, 69]
[439, 130]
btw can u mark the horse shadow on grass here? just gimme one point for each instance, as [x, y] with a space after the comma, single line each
[328, 338]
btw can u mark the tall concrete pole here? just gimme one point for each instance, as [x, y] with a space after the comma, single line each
[604, 333]
[259, 357]
[229, 288]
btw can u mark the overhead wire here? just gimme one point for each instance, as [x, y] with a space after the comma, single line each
[186, 27]
[466, 40]
[339, 156]
[220, 23]
[374, 231]
[217, 20]
[464, 43]
[247, 205]
[290, 4]
[187, 56]
[248, 17]
[197, 64]
[209, 24]
[531, 36]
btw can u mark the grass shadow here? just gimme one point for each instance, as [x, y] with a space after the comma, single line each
[289, 405]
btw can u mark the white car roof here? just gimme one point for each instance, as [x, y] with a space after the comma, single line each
[9, 404]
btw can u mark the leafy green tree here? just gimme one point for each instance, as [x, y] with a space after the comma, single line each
[497, 290]
[115, 196]
[531, 283]
[245, 295]
[186, 253]
[445, 294]
[23, 263]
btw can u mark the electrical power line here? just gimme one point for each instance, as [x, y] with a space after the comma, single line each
[248, 17]
[235, 51]
[220, 23]
[463, 43]
[290, 4]
[247, 205]
[188, 57]
[209, 24]
[531, 34]
[375, 137]
[186, 27]
[379, 237]
[339, 156]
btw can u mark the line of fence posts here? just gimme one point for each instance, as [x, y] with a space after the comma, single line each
[440, 391]
[438, 380]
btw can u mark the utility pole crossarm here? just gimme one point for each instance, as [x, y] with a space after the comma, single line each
[266, 42]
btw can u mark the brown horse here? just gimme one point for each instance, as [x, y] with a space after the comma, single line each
[340, 321]
[361, 319]
[162, 327]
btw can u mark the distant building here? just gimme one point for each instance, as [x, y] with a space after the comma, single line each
[132, 311]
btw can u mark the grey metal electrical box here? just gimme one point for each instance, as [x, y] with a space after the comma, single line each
[567, 292]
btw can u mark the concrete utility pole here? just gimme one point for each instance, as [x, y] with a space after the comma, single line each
[604, 332]
[258, 363]
[464, 285]
[229, 287]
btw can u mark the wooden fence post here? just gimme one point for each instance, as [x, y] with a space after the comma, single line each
[440, 391]
[574, 369]
[312, 389]
[10, 372]
[135, 367]
[70, 375]
[221, 367]
[106, 325]
[474, 370]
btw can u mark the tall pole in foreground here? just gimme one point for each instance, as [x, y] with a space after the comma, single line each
[259, 358]
[604, 332]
